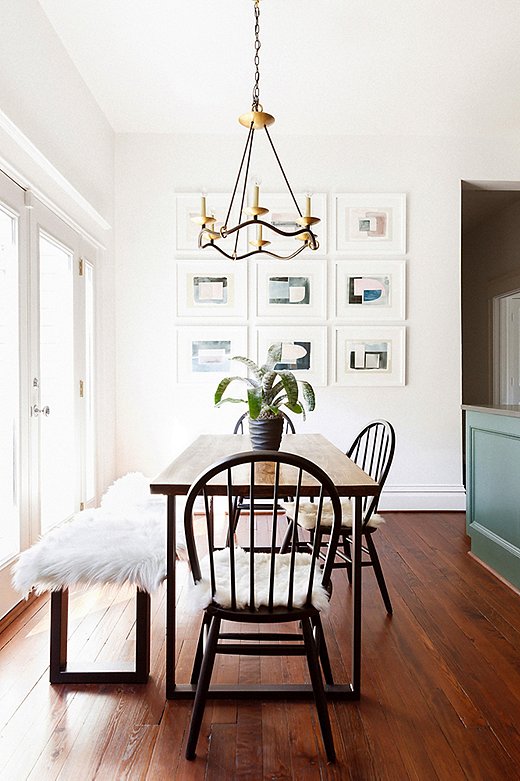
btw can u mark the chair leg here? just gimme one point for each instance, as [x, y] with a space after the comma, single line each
[348, 555]
[202, 687]
[374, 558]
[284, 547]
[199, 654]
[317, 687]
[237, 509]
[323, 651]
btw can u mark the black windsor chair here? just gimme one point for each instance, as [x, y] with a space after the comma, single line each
[373, 451]
[257, 584]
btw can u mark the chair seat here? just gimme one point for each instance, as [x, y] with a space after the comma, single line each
[307, 514]
[202, 591]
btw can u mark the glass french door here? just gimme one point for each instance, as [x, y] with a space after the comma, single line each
[12, 250]
[47, 406]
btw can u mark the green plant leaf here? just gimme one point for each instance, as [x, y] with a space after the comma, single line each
[251, 365]
[267, 384]
[254, 401]
[274, 356]
[221, 387]
[290, 386]
[308, 395]
[231, 400]
[296, 408]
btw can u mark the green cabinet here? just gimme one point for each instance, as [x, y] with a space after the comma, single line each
[493, 490]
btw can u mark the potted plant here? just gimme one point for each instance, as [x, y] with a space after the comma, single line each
[268, 389]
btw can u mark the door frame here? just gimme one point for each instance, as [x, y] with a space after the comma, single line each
[33, 217]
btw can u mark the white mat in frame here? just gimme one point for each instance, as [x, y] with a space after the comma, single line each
[204, 352]
[297, 288]
[373, 223]
[370, 289]
[304, 349]
[370, 355]
[212, 288]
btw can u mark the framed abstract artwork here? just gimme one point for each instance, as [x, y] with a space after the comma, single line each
[211, 288]
[204, 353]
[370, 289]
[304, 350]
[370, 355]
[370, 223]
[187, 208]
[283, 214]
[295, 289]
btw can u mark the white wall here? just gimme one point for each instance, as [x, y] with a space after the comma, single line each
[156, 418]
[55, 140]
[44, 95]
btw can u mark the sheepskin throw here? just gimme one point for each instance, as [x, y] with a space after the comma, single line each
[308, 510]
[122, 541]
[202, 590]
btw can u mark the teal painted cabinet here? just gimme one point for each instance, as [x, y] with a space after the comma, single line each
[493, 490]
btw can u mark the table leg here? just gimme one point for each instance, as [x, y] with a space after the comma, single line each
[356, 597]
[170, 598]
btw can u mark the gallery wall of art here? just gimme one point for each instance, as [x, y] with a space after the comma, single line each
[330, 308]
[383, 326]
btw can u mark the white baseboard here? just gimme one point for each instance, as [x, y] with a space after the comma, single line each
[423, 497]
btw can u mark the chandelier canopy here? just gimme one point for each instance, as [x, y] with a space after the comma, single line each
[254, 214]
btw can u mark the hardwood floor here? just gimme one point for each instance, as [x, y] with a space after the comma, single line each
[441, 684]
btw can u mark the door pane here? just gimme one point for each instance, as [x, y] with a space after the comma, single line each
[90, 431]
[9, 386]
[58, 454]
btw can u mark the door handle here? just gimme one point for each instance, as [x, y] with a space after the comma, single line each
[43, 411]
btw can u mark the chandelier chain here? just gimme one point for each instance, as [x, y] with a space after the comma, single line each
[256, 88]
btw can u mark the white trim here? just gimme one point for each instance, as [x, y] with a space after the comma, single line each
[423, 497]
[51, 171]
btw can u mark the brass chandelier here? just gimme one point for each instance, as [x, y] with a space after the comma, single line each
[256, 119]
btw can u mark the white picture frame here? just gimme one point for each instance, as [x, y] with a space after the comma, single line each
[211, 288]
[188, 206]
[370, 355]
[312, 364]
[297, 289]
[283, 212]
[370, 223]
[370, 290]
[204, 353]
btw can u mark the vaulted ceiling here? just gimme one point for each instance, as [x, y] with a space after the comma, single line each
[329, 67]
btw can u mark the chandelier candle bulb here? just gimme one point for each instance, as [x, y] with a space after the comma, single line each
[308, 206]
[203, 206]
[256, 193]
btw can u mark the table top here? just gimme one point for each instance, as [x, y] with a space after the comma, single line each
[207, 449]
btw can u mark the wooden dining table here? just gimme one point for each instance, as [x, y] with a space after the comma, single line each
[176, 480]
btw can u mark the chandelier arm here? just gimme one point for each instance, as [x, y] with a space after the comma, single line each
[252, 252]
[280, 257]
[281, 169]
[251, 130]
[287, 234]
[216, 246]
[249, 139]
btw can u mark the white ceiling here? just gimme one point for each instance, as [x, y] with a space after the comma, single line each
[328, 66]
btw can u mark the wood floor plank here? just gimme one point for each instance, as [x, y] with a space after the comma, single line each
[441, 683]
